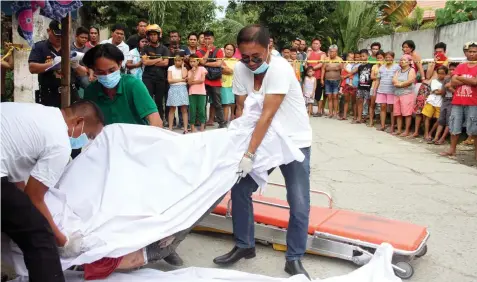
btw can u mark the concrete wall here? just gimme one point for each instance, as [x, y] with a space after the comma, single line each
[455, 36]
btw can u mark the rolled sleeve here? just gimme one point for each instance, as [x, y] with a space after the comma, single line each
[51, 164]
[143, 102]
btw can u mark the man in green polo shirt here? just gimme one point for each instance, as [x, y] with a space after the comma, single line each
[122, 98]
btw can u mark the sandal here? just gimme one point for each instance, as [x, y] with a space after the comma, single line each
[438, 142]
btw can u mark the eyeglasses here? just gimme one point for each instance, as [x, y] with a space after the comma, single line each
[256, 60]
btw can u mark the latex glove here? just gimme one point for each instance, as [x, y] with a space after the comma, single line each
[76, 56]
[73, 246]
[245, 166]
[74, 64]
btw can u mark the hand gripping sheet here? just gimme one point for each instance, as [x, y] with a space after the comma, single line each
[135, 184]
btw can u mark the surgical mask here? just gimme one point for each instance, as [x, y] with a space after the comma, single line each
[111, 80]
[263, 67]
[80, 141]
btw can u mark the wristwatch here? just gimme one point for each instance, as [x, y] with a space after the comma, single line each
[250, 156]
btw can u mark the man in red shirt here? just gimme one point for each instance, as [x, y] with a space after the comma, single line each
[464, 102]
[315, 55]
[213, 81]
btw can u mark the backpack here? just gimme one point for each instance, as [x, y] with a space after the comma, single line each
[213, 73]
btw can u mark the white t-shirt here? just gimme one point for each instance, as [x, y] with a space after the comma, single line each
[280, 79]
[34, 142]
[176, 74]
[434, 99]
[123, 47]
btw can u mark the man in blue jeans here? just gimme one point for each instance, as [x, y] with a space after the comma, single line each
[273, 77]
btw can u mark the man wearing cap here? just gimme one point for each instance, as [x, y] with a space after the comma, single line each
[44, 60]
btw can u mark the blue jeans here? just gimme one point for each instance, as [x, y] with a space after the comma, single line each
[297, 180]
[332, 87]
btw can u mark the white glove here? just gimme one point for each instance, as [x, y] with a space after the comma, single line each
[74, 64]
[73, 246]
[245, 166]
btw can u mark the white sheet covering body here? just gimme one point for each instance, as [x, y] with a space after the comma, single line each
[135, 185]
[379, 269]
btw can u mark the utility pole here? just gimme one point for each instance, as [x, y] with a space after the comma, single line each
[65, 61]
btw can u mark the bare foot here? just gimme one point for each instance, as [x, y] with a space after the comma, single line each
[404, 134]
[447, 154]
[380, 129]
[439, 142]
[396, 133]
[414, 135]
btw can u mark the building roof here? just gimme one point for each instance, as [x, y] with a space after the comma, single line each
[430, 7]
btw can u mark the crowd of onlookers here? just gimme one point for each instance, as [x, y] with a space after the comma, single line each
[370, 86]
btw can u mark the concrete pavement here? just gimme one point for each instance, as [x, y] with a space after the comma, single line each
[374, 172]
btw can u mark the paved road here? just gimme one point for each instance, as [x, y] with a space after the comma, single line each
[373, 172]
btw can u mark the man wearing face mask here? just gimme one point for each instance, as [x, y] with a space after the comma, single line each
[272, 78]
[35, 149]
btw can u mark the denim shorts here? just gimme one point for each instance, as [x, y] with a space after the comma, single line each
[332, 86]
[463, 116]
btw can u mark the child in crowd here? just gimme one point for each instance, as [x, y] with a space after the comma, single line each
[443, 121]
[385, 89]
[433, 104]
[364, 86]
[134, 63]
[297, 65]
[374, 78]
[309, 87]
[177, 95]
[348, 89]
[404, 100]
[197, 94]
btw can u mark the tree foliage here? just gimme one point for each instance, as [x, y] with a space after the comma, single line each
[396, 11]
[183, 16]
[456, 12]
[415, 22]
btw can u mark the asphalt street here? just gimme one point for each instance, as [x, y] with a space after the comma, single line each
[376, 173]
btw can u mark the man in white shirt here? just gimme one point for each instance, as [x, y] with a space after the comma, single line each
[117, 38]
[272, 76]
[35, 149]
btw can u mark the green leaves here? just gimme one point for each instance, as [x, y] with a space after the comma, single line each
[396, 11]
[456, 12]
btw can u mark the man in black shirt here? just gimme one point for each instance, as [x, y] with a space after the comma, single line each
[141, 32]
[44, 60]
[155, 70]
[364, 86]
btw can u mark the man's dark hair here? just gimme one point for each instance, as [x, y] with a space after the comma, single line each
[363, 51]
[315, 39]
[192, 34]
[97, 29]
[357, 52]
[82, 30]
[381, 52]
[410, 44]
[106, 50]
[174, 31]
[201, 33]
[208, 33]
[254, 33]
[285, 48]
[293, 50]
[89, 110]
[444, 68]
[440, 45]
[142, 21]
[118, 27]
[376, 44]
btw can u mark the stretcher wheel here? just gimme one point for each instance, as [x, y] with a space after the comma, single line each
[409, 270]
[422, 253]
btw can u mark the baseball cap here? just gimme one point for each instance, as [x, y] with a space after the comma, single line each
[55, 27]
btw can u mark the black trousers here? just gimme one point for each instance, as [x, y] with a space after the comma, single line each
[30, 230]
[51, 97]
[157, 90]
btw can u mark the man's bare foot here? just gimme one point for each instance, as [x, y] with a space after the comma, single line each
[439, 142]
[414, 135]
[396, 133]
[404, 134]
[448, 154]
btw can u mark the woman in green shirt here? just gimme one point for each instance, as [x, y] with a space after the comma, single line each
[122, 98]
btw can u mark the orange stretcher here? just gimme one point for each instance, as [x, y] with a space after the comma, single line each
[348, 235]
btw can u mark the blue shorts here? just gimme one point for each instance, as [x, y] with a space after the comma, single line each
[463, 116]
[332, 87]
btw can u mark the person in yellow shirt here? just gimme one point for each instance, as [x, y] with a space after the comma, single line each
[228, 98]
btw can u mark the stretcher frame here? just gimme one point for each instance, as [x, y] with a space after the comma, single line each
[320, 243]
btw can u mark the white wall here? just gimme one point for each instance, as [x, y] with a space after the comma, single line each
[455, 36]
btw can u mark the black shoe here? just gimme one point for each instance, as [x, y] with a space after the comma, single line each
[223, 125]
[294, 267]
[174, 259]
[235, 255]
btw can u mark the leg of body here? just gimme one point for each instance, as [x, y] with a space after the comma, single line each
[346, 105]
[399, 125]
[382, 115]
[193, 111]
[226, 112]
[29, 229]
[185, 117]
[217, 104]
[201, 102]
[372, 107]
[172, 111]
[456, 122]
[360, 102]
[417, 125]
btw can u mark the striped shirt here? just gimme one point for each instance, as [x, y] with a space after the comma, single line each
[386, 79]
